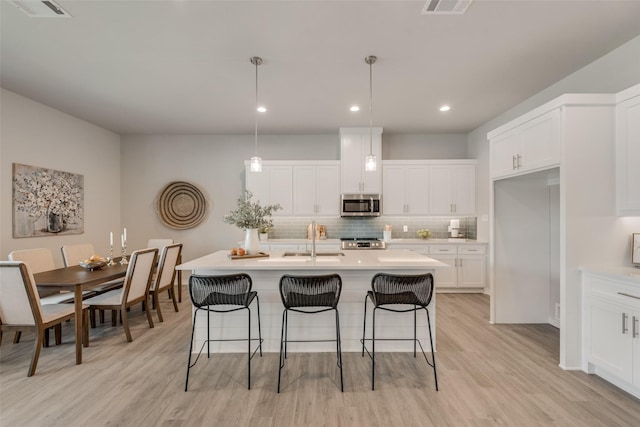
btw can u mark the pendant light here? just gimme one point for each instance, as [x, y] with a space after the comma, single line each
[370, 160]
[256, 162]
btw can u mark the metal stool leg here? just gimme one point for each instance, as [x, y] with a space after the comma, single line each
[364, 324]
[339, 349]
[373, 349]
[282, 346]
[249, 351]
[415, 329]
[259, 328]
[193, 328]
[433, 353]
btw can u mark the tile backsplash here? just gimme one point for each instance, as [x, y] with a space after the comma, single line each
[296, 227]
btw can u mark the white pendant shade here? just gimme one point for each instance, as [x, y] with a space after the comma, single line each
[256, 164]
[370, 163]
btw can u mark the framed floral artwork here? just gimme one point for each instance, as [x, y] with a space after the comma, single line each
[46, 202]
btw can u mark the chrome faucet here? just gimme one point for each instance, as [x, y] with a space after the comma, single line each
[313, 239]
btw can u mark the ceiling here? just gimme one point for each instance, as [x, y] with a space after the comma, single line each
[182, 67]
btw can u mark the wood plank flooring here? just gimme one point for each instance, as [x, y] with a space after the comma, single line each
[504, 375]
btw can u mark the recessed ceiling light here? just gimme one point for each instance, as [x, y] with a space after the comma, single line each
[262, 109]
[355, 108]
[445, 108]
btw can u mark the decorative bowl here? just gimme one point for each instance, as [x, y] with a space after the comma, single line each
[93, 265]
[425, 233]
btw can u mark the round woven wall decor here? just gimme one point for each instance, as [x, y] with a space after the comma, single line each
[181, 205]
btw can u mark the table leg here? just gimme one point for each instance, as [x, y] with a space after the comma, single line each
[179, 286]
[77, 300]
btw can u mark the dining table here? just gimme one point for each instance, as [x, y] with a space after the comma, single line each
[78, 279]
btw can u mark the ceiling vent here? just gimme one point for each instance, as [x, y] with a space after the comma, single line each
[445, 7]
[40, 9]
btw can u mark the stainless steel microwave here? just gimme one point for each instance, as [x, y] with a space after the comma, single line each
[360, 205]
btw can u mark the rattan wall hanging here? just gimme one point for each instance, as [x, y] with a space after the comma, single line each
[181, 205]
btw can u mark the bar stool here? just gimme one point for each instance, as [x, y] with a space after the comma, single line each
[309, 295]
[392, 290]
[232, 293]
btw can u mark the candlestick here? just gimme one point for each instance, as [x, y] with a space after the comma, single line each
[111, 238]
[123, 261]
[125, 234]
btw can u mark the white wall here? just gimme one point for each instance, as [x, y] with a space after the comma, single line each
[37, 135]
[617, 70]
[434, 146]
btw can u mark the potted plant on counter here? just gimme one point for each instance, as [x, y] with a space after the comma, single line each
[251, 216]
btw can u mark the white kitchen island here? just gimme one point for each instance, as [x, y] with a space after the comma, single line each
[356, 268]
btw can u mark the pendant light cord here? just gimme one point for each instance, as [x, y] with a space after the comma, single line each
[371, 105]
[256, 62]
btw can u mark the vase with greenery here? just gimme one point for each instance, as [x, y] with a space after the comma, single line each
[251, 216]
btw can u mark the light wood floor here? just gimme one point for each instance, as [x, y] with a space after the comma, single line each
[504, 375]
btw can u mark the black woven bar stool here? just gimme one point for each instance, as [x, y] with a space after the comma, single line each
[309, 295]
[230, 293]
[393, 290]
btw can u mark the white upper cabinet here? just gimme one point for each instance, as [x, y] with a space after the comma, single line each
[355, 145]
[534, 145]
[628, 152]
[452, 189]
[405, 189]
[273, 185]
[316, 190]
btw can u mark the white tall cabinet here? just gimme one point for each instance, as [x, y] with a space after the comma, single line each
[628, 152]
[355, 145]
[577, 133]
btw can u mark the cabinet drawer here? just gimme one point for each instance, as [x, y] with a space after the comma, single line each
[472, 249]
[443, 249]
[620, 292]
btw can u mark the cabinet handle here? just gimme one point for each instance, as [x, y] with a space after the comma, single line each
[519, 161]
[625, 329]
[513, 162]
[460, 263]
[455, 207]
[634, 325]
[628, 295]
[472, 250]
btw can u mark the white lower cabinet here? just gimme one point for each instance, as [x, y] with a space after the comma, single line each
[467, 266]
[611, 329]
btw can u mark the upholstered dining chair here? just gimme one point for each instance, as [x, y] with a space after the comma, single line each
[165, 276]
[135, 290]
[161, 243]
[20, 307]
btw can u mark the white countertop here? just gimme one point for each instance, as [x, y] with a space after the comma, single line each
[627, 274]
[392, 242]
[391, 259]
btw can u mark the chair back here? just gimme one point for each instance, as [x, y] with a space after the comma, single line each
[38, 260]
[167, 266]
[73, 254]
[310, 291]
[139, 272]
[403, 289]
[19, 300]
[229, 289]
[159, 243]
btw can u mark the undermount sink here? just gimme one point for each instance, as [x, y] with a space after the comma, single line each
[308, 254]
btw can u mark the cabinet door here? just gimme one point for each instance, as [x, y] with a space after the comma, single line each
[464, 190]
[351, 163]
[628, 157]
[328, 190]
[304, 190]
[441, 189]
[504, 149]
[281, 189]
[472, 271]
[416, 190]
[540, 142]
[393, 190]
[636, 347]
[611, 345]
[446, 277]
[258, 183]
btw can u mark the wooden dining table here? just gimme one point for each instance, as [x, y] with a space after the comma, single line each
[78, 279]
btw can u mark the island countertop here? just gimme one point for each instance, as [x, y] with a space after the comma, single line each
[388, 260]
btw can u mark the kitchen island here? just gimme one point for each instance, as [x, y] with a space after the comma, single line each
[356, 268]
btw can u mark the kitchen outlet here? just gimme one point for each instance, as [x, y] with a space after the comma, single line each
[557, 311]
[405, 228]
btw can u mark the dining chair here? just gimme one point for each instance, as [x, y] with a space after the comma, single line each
[20, 307]
[135, 290]
[165, 276]
[399, 294]
[161, 243]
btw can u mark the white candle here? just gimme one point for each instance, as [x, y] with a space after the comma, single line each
[125, 234]
[122, 240]
[111, 238]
